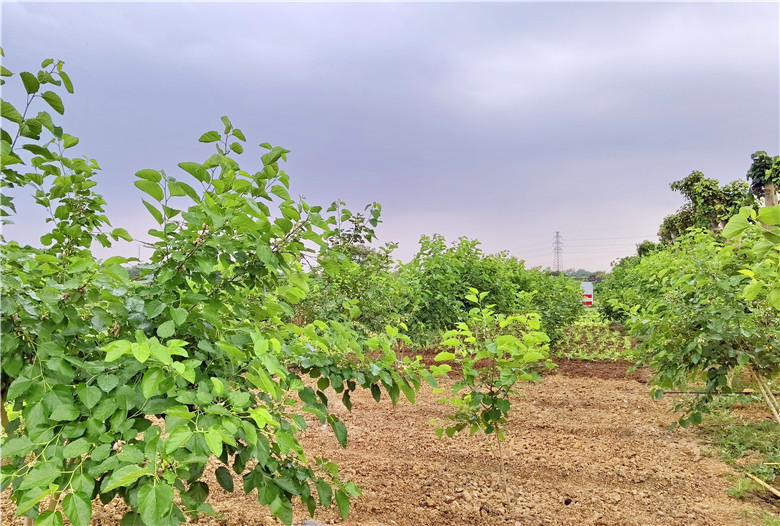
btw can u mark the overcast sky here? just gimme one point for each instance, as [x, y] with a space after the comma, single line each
[503, 122]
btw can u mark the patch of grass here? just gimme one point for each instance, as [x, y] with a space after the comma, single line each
[748, 445]
[770, 519]
[592, 337]
[753, 447]
[744, 487]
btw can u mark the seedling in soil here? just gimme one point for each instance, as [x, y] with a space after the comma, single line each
[493, 352]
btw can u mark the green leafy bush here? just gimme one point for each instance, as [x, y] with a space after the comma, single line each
[366, 290]
[687, 307]
[440, 276]
[129, 386]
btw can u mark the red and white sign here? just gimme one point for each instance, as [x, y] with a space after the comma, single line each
[587, 293]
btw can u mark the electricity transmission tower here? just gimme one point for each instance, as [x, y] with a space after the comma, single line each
[557, 252]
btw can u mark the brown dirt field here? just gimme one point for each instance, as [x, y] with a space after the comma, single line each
[585, 446]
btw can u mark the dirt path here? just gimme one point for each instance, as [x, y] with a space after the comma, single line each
[580, 449]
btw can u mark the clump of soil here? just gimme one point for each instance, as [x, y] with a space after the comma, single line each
[581, 449]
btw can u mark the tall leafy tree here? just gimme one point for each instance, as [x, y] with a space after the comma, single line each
[708, 205]
[764, 176]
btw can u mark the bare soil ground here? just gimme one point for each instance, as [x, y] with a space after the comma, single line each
[585, 446]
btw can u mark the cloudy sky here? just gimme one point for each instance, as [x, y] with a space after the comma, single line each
[504, 122]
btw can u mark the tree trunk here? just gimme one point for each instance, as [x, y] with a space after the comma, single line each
[766, 394]
[770, 194]
[4, 417]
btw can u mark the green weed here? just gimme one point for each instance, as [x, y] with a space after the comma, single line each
[592, 337]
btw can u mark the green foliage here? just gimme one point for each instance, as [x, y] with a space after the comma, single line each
[440, 277]
[617, 289]
[129, 386]
[686, 305]
[764, 272]
[763, 170]
[592, 337]
[708, 205]
[492, 352]
[366, 291]
[742, 442]
[581, 274]
[739, 441]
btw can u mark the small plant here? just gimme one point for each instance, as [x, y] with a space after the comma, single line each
[743, 488]
[492, 352]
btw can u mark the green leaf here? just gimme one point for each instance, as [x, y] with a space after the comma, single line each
[7, 111]
[31, 498]
[156, 213]
[43, 474]
[121, 233]
[17, 447]
[325, 492]
[196, 170]
[287, 484]
[69, 141]
[340, 430]
[155, 502]
[141, 351]
[151, 188]
[167, 329]
[281, 508]
[214, 440]
[735, 226]
[54, 101]
[178, 315]
[76, 448]
[117, 349]
[184, 189]
[66, 81]
[124, 476]
[280, 191]
[342, 500]
[149, 175]
[177, 438]
[78, 509]
[198, 491]
[770, 215]
[49, 518]
[30, 81]
[107, 382]
[752, 290]
[210, 136]
[444, 356]
[65, 413]
[236, 147]
[151, 382]
[774, 297]
[238, 134]
[285, 441]
[162, 353]
[224, 478]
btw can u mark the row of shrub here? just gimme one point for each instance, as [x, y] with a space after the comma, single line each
[705, 307]
[428, 294]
